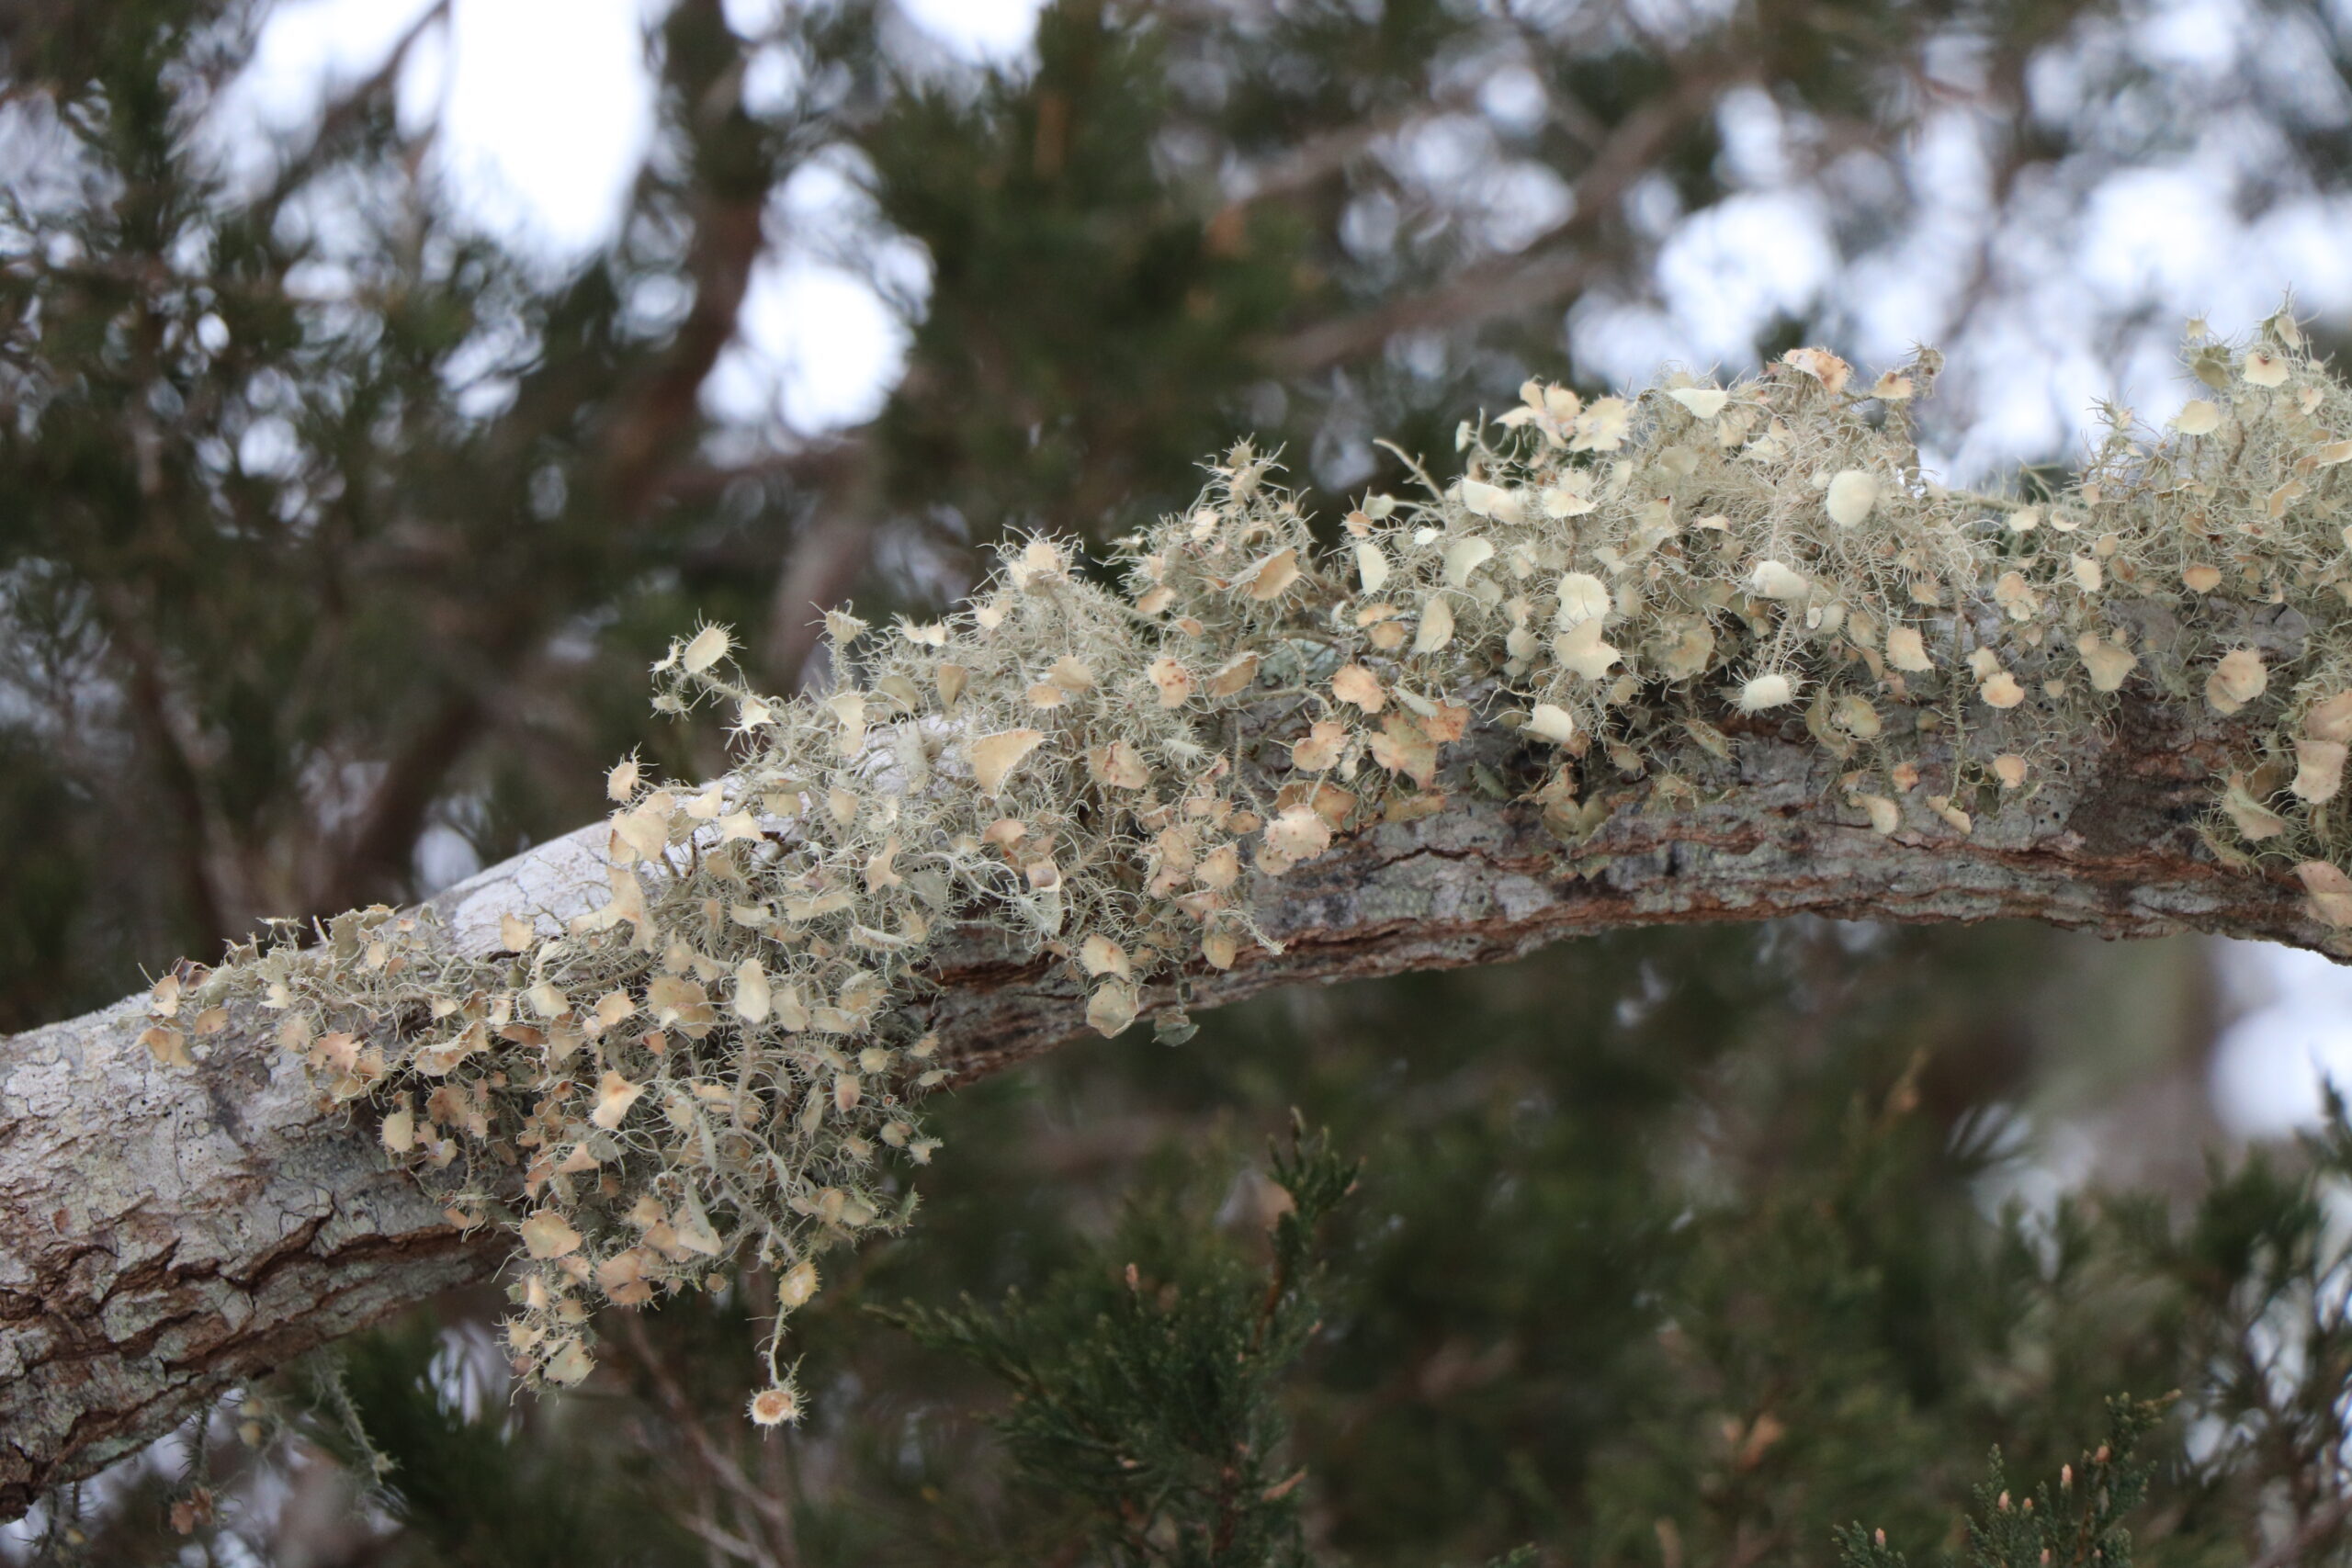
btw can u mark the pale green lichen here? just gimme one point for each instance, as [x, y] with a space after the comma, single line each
[708, 1070]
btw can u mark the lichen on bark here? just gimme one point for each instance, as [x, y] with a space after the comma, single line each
[1651, 604]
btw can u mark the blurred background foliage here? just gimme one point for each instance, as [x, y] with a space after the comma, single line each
[337, 533]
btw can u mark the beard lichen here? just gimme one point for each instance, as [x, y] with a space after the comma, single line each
[711, 1070]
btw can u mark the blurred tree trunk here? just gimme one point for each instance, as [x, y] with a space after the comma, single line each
[175, 1230]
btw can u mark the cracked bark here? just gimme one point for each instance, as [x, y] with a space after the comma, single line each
[166, 1233]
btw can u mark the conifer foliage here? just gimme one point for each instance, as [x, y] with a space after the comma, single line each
[1146, 1390]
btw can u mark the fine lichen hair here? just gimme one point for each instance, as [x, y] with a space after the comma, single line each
[710, 1070]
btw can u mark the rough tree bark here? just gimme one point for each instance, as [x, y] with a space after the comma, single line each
[164, 1233]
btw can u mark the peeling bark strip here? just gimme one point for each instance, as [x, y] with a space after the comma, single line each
[164, 1233]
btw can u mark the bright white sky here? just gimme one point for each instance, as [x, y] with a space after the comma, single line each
[543, 113]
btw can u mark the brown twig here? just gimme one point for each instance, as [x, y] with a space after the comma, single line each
[819, 463]
[1319, 157]
[2314, 1530]
[822, 568]
[376, 861]
[1540, 274]
[654, 421]
[347, 110]
[176, 770]
[720, 1466]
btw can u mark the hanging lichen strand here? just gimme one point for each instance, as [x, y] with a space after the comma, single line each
[705, 1070]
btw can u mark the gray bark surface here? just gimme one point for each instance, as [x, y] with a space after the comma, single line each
[165, 1232]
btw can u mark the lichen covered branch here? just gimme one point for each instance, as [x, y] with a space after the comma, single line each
[1708, 653]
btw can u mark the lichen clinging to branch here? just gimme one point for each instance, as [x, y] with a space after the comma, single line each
[711, 1070]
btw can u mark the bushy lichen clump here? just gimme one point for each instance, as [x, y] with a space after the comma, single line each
[708, 1070]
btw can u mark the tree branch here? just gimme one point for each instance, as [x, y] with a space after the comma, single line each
[734, 171]
[1546, 270]
[825, 564]
[656, 417]
[376, 857]
[820, 463]
[346, 113]
[2313, 1532]
[173, 1231]
[149, 705]
[715, 1461]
